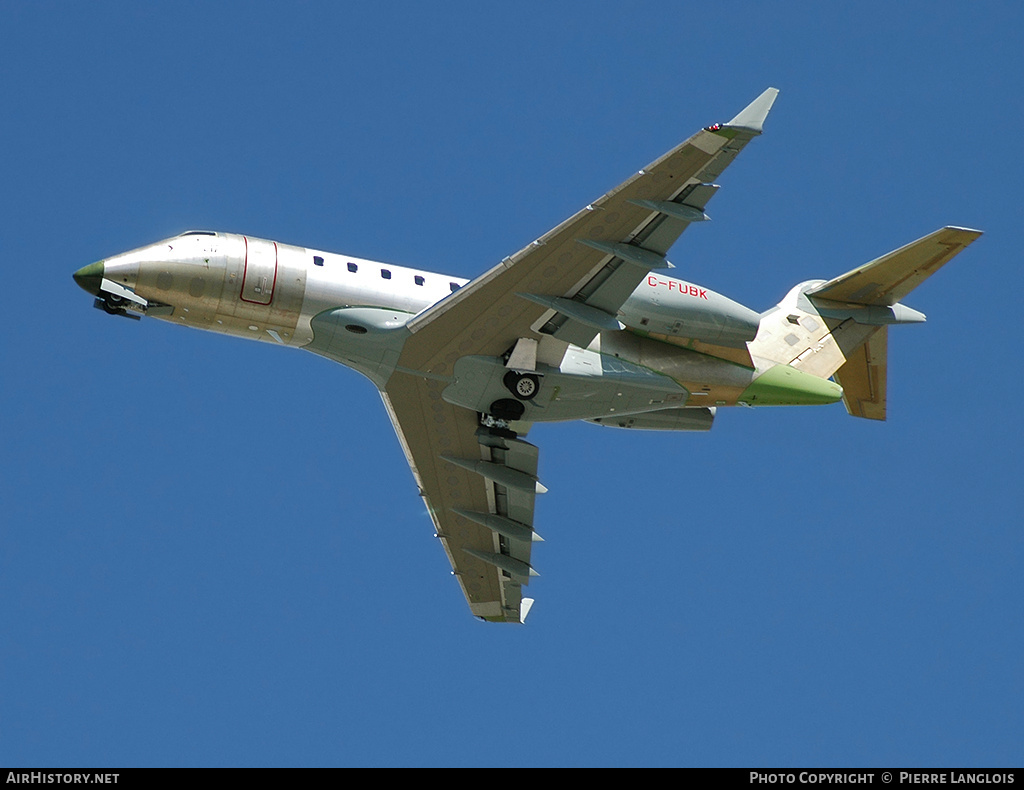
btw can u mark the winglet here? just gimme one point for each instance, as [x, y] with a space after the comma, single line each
[753, 115]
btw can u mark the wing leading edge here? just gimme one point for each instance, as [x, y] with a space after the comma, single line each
[480, 483]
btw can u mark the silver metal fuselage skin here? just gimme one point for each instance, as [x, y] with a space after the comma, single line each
[272, 292]
[260, 289]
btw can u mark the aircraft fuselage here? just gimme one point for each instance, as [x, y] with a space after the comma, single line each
[280, 293]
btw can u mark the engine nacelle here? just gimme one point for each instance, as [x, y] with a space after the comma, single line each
[667, 306]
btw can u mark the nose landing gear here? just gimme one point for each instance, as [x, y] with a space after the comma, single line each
[113, 304]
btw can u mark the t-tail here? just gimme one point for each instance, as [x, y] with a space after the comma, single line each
[840, 328]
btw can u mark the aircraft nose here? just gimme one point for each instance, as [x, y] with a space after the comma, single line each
[89, 277]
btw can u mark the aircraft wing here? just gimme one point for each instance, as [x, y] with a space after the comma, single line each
[595, 259]
[563, 288]
[482, 504]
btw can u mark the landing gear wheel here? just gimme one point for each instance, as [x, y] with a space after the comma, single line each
[113, 304]
[507, 409]
[523, 385]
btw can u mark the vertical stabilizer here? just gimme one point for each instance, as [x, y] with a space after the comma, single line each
[863, 376]
[839, 328]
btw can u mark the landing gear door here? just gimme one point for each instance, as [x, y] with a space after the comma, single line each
[260, 271]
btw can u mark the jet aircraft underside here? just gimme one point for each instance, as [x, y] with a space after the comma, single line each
[582, 324]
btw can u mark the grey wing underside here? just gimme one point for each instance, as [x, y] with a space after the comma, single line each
[481, 501]
[480, 487]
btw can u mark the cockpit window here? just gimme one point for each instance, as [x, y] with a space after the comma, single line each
[198, 233]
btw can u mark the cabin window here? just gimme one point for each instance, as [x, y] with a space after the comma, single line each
[318, 261]
[353, 268]
[385, 273]
[455, 287]
[418, 279]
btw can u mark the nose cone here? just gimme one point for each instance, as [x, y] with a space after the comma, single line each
[89, 277]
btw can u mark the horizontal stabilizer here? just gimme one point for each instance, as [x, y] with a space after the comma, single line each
[886, 280]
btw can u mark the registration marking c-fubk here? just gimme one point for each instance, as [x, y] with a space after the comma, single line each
[679, 287]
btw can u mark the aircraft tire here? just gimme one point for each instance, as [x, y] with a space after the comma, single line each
[112, 304]
[507, 409]
[523, 385]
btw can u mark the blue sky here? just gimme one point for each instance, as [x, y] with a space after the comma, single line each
[212, 550]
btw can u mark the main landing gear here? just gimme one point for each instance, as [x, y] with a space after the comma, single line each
[523, 385]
